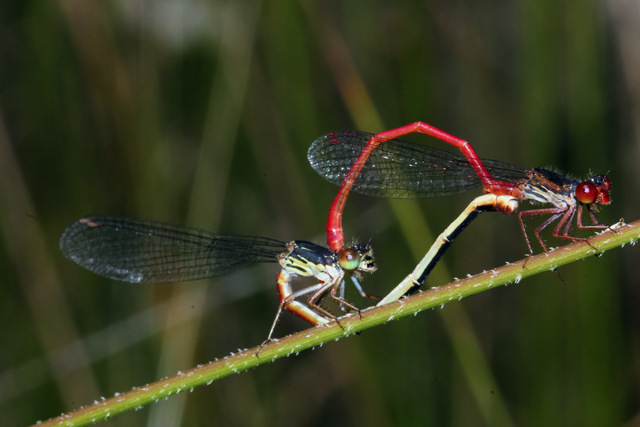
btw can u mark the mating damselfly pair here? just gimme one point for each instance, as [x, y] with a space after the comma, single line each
[144, 251]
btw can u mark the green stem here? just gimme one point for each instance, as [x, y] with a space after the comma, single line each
[350, 324]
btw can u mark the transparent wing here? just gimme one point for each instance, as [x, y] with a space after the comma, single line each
[142, 251]
[400, 169]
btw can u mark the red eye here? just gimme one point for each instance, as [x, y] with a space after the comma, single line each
[603, 190]
[586, 192]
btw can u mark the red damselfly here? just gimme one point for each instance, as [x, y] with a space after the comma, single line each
[144, 251]
[381, 165]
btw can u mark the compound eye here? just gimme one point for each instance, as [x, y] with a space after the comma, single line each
[586, 192]
[349, 259]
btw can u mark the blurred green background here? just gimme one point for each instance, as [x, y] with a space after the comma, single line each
[201, 113]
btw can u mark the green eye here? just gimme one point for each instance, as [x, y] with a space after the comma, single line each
[349, 259]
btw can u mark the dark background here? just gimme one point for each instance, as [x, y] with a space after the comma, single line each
[201, 113]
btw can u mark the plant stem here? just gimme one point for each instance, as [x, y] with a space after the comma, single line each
[349, 324]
